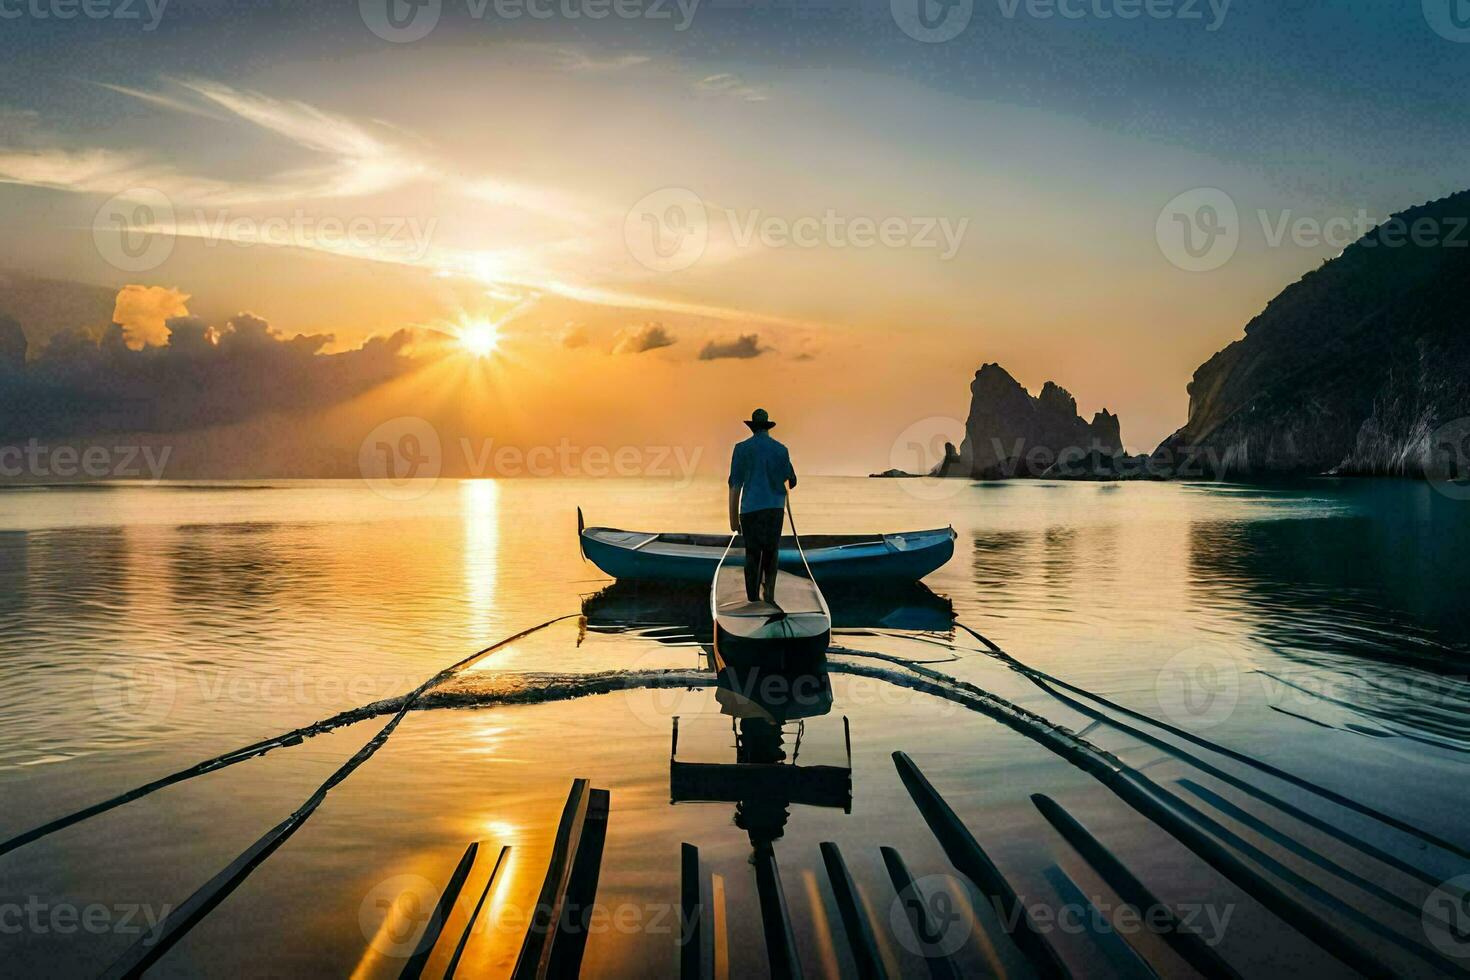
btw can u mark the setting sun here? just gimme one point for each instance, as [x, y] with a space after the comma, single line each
[480, 338]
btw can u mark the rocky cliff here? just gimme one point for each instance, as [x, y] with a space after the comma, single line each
[1011, 433]
[1353, 369]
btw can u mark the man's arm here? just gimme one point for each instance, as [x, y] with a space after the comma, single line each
[790, 473]
[737, 480]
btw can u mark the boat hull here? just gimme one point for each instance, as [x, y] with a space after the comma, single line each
[875, 561]
[786, 654]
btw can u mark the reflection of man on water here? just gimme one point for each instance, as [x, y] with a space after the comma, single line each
[764, 820]
[760, 472]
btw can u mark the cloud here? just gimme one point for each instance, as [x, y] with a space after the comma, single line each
[363, 163]
[360, 161]
[570, 58]
[637, 340]
[161, 101]
[143, 312]
[744, 346]
[730, 85]
[574, 336]
[200, 376]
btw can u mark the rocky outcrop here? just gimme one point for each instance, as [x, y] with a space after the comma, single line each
[1011, 433]
[1361, 367]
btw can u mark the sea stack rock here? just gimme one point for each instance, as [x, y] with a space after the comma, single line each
[1011, 433]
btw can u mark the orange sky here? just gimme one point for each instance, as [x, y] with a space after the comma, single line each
[347, 206]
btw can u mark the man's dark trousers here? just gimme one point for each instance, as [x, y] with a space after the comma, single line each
[761, 530]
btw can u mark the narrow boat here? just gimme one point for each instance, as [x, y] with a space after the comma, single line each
[794, 630]
[855, 559]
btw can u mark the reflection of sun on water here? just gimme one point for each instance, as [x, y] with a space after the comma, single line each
[500, 831]
[480, 511]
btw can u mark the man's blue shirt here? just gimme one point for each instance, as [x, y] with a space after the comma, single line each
[761, 467]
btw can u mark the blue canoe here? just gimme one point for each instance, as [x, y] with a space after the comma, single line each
[854, 559]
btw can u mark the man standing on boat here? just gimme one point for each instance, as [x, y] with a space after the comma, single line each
[760, 472]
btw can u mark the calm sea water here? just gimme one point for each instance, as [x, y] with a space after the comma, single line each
[1320, 628]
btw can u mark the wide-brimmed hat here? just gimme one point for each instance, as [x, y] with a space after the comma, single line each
[759, 420]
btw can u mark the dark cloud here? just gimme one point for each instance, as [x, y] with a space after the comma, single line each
[636, 340]
[201, 376]
[744, 346]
